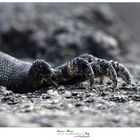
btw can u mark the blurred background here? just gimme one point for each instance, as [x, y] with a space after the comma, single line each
[130, 14]
[58, 32]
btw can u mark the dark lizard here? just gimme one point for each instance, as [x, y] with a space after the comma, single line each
[20, 76]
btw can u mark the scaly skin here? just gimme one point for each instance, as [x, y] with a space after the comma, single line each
[20, 76]
[73, 72]
[120, 69]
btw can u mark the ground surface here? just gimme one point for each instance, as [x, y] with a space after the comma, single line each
[68, 105]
